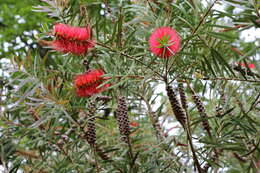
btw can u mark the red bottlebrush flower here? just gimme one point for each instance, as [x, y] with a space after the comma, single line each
[72, 33]
[164, 42]
[134, 124]
[87, 84]
[68, 46]
[251, 66]
[69, 39]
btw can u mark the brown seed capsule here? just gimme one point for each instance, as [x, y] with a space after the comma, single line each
[90, 131]
[102, 154]
[223, 98]
[220, 108]
[202, 112]
[122, 118]
[103, 98]
[241, 159]
[219, 111]
[182, 96]
[176, 107]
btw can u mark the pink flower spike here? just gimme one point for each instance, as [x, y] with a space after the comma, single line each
[164, 42]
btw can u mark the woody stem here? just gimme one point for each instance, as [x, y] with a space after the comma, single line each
[189, 136]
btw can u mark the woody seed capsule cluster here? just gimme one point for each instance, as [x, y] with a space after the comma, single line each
[182, 96]
[202, 112]
[176, 107]
[90, 131]
[122, 118]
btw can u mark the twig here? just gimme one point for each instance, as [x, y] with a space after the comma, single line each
[131, 155]
[185, 69]
[130, 57]
[93, 148]
[27, 154]
[203, 18]
[222, 78]
[160, 136]
[189, 136]
[152, 118]
[254, 103]
[196, 29]
[231, 79]
[150, 6]
[253, 160]
[129, 76]
[235, 27]
[256, 147]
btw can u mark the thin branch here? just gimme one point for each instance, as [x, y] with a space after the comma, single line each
[151, 6]
[256, 6]
[252, 158]
[236, 27]
[160, 136]
[130, 57]
[231, 79]
[128, 76]
[185, 69]
[221, 78]
[189, 136]
[253, 150]
[203, 18]
[93, 148]
[131, 155]
[189, 130]
[254, 103]
[197, 28]
[152, 118]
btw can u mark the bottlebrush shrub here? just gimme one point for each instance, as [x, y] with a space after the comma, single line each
[164, 42]
[87, 84]
[168, 120]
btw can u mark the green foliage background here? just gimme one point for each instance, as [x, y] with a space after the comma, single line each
[39, 105]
